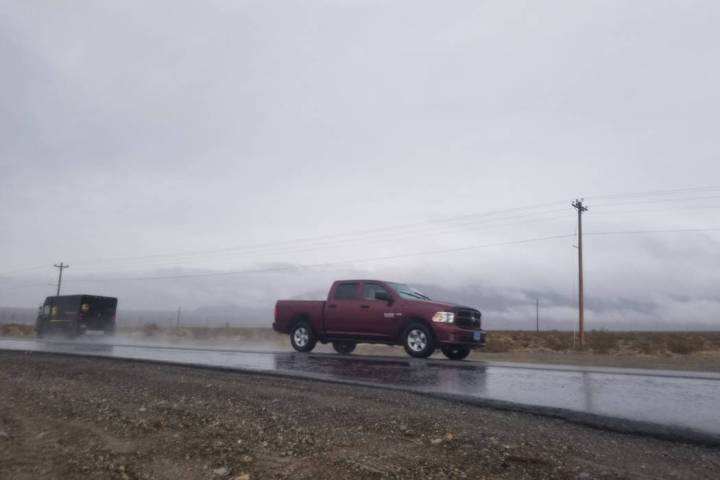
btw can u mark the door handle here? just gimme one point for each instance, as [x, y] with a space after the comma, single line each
[364, 306]
[332, 305]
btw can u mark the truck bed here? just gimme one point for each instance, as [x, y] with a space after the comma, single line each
[288, 310]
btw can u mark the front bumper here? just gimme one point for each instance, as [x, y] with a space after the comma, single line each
[449, 334]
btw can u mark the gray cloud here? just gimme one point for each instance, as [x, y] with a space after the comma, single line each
[139, 129]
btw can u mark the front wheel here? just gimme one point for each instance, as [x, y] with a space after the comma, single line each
[41, 329]
[456, 353]
[109, 330]
[302, 337]
[344, 348]
[418, 341]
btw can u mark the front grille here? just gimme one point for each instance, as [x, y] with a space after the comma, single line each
[468, 318]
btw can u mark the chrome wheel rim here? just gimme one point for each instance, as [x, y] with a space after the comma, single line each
[301, 336]
[417, 340]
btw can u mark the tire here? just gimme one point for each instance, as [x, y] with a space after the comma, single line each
[344, 348]
[72, 331]
[456, 353]
[418, 341]
[41, 330]
[302, 337]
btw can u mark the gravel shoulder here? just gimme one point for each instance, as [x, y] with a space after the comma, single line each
[69, 417]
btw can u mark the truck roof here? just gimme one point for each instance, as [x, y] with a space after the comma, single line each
[365, 280]
[78, 295]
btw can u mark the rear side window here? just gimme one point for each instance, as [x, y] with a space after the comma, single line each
[346, 291]
[369, 290]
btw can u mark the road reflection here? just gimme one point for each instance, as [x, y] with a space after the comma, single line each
[416, 374]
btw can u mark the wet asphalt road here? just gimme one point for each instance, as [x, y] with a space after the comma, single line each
[668, 404]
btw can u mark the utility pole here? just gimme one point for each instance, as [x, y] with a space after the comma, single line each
[537, 314]
[578, 205]
[177, 320]
[61, 267]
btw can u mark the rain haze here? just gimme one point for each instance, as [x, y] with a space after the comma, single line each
[219, 155]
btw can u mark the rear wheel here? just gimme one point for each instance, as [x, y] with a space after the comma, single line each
[302, 337]
[344, 348]
[41, 329]
[72, 330]
[418, 341]
[456, 353]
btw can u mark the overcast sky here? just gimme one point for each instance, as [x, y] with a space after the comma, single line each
[256, 132]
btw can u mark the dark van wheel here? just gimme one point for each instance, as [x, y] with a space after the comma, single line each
[302, 337]
[418, 341]
[456, 353]
[41, 330]
[72, 330]
[344, 348]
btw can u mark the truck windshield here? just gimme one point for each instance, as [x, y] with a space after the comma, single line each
[408, 292]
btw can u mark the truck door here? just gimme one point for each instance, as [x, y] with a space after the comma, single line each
[378, 317]
[342, 310]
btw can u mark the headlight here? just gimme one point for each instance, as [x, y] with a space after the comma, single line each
[444, 317]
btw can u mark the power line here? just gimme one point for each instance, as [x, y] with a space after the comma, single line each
[661, 200]
[674, 230]
[503, 219]
[329, 264]
[365, 241]
[31, 285]
[21, 270]
[383, 233]
[624, 211]
[380, 230]
[370, 259]
[655, 193]
[352, 234]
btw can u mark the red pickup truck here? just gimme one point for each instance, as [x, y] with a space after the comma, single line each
[373, 311]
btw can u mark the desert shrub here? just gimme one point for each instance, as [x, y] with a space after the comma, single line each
[498, 343]
[150, 329]
[651, 346]
[602, 341]
[558, 341]
[685, 344]
[201, 332]
[179, 332]
[523, 339]
[16, 329]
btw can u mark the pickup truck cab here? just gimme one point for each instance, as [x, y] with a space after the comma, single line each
[374, 311]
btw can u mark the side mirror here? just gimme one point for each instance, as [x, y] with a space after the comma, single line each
[383, 296]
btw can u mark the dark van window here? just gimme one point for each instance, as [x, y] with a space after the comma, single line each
[369, 290]
[345, 291]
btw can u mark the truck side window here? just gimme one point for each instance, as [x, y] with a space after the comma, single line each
[369, 290]
[346, 291]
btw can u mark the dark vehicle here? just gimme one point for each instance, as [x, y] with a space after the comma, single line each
[73, 315]
[373, 311]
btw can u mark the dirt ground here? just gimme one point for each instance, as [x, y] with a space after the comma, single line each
[69, 417]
